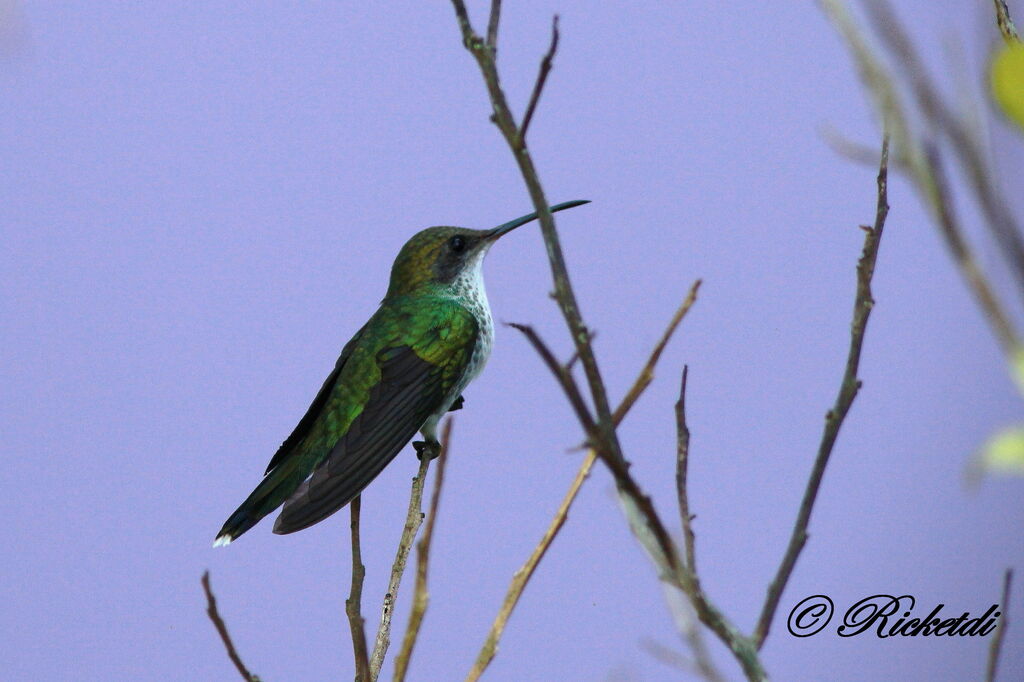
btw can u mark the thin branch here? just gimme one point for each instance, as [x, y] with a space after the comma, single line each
[492, 25]
[420, 594]
[847, 392]
[222, 630]
[564, 295]
[647, 373]
[522, 576]
[542, 77]
[413, 519]
[640, 513]
[996, 645]
[682, 465]
[949, 226]
[561, 373]
[355, 598]
[1006, 27]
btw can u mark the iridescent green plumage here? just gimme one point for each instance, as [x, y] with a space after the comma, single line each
[398, 375]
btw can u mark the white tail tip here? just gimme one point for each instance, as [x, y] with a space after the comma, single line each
[222, 540]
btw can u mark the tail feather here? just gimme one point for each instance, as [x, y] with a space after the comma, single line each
[273, 490]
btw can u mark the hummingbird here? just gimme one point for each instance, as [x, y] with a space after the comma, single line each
[401, 372]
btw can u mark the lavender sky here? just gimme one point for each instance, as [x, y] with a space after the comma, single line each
[200, 203]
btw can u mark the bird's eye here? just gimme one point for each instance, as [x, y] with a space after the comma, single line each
[457, 243]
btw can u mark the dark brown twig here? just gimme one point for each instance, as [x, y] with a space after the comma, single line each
[353, 603]
[542, 77]
[492, 25]
[682, 466]
[413, 519]
[222, 630]
[565, 379]
[996, 645]
[420, 595]
[835, 416]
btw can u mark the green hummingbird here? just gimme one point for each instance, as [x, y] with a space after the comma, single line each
[399, 374]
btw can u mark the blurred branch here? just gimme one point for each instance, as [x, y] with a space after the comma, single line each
[354, 601]
[847, 392]
[420, 594]
[922, 161]
[413, 519]
[522, 576]
[996, 645]
[222, 630]
[1005, 24]
[963, 140]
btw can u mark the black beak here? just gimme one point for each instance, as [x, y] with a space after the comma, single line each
[513, 224]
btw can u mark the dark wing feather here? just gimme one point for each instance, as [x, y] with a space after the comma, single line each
[316, 407]
[410, 390]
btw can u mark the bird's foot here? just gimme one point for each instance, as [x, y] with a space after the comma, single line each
[429, 448]
[457, 405]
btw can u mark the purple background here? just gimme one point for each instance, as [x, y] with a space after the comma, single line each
[201, 204]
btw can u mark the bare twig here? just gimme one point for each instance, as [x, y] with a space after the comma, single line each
[522, 576]
[568, 384]
[996, 645]
[413, 519]
[1006, 27]
[682, 465]
[847, 392]
[355, 598]
[420, 594]
[542, 77]
[647, 373]
[222, 630]
[492, 25]
[564, 294]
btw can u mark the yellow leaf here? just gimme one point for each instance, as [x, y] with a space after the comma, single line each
[1007, 77]
[1004, 452]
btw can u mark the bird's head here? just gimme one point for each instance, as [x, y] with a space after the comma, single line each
[441, 257]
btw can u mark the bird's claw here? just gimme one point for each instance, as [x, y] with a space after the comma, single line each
[457, 405]
[429, 448]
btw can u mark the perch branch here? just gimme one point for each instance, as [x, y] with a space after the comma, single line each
[353, 604]
[413, 519]
[420, 594]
